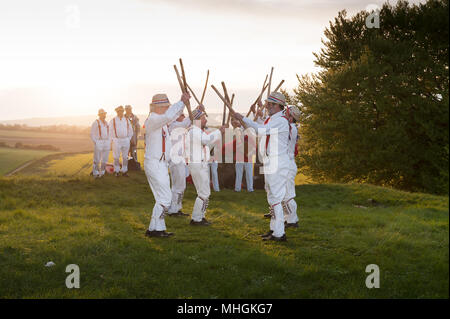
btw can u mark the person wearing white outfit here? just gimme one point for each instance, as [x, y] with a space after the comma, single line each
[178, 169]
[213, 167]
[276, 161]
[290, 206]
[197, 152]
[102, 143]
[121, 133]
[243, 162]
[157, 156]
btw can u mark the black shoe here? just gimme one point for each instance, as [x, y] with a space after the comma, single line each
[269, 233]
[125, 174]
[179, 213]
[205, 222]
[271, 237]
[117, 174]
[293, 225]
[268, 215]
[157, 233]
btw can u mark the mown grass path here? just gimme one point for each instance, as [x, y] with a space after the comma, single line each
[99, 225]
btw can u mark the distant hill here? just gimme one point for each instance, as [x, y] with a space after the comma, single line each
[214, 119]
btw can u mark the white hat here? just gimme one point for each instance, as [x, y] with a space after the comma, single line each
[197, 113]
[277, 98]
[295, 112]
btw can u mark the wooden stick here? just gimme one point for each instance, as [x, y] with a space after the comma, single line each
[225, 102]
[183, 90]
[229, 114]
[206, 85]
[259, 97]
[195, 97]
[270, 81]
[183, 75]
[228, 100]
[279, 85]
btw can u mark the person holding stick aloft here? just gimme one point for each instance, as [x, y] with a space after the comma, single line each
[157, 155]
[276, 160]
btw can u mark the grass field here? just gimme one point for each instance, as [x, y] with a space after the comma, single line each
[11, 158]
[65, 142]
[99, 225]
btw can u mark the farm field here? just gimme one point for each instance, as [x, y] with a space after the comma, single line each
[65, 142]
[99, 225]
[11, 158]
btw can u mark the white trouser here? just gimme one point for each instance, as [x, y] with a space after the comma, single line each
[200, 177]
[121, 145]
[290, 205]
[159, 181]
[240, 167]
[101, 154]
[214, 176]
[178, 178]
[276, 188]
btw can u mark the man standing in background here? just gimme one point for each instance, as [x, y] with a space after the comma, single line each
[121, 132]
[178, 170]
[102, 143]
[134, 120]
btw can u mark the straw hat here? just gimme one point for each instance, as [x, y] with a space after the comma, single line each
[277, 98]
[127, 107]
[197, 113]
[119, 108]
[160, 100]
[101, 111]
[294, 111]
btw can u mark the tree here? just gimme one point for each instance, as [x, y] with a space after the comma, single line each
[378, 109]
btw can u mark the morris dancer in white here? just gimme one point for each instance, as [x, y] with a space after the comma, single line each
[178, 170]
[275, 181]
[122, 132]
[197, 151]
[102, 144]
[290, 206]
[157, 157]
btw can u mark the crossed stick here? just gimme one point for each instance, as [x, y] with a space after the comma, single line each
[225, 102]
[195, 97]
[183, 87]
[229, 114]
[259, 96]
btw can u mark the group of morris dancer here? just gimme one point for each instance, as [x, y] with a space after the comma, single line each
[175, 144]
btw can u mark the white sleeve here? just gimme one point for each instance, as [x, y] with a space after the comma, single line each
[171, 114]
[211, 138]
[129, 129]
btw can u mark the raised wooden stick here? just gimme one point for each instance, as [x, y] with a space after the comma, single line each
[258, 98]
[279, 85]
[225, 102]
[195, 97]
[184, 90]
[206, 85]
[229, 114]
[270, 82]
[228, 100]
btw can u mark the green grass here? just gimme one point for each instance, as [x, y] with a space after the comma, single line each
[99, 225]
[11, 158]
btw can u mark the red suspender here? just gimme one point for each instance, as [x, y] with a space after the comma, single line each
[99, 129]
[163, 145]
[115, 131]
[268, 136]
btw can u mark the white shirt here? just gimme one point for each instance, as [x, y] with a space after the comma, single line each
[157, 136]
[278, 122]
[120, 128]
[197, 144]
[100, 131]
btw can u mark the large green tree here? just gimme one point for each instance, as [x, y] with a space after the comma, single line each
[377, 111]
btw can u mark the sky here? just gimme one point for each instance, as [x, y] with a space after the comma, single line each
[70, 58]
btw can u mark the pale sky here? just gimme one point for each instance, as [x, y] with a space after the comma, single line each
[61, 57]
